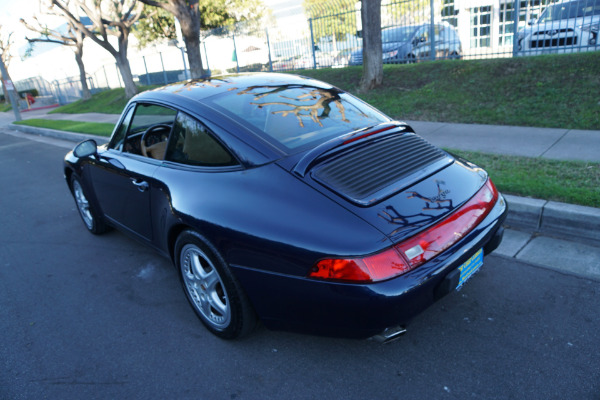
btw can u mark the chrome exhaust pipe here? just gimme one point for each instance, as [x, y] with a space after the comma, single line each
[390, 334]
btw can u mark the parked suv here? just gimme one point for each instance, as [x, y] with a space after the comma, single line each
[406, 44]
[565, 27]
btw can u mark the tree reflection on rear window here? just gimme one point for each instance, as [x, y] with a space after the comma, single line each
[296, 115]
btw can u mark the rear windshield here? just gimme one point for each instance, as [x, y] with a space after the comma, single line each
[297, 116]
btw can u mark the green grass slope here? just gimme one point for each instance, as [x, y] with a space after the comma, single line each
[556, 91]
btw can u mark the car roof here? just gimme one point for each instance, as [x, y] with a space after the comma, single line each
[199, 89]
[189, 97]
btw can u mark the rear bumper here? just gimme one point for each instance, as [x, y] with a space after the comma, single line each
[350, 310]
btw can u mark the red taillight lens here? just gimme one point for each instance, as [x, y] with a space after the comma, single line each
[368, 269]
[413, 252]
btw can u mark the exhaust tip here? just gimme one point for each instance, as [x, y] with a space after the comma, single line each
[390, 334]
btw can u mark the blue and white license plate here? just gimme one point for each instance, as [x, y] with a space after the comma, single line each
[469, 267]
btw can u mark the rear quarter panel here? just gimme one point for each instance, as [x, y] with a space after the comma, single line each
[262, 218]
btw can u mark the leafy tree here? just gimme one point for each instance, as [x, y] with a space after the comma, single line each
[109, 17]
[155, 25]
[331, 18]
[407, 12]
[194, 15]
[187, 13]
[72, 38]
[370, 14]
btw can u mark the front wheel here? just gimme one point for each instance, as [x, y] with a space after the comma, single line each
[88, 213]
[212, 290]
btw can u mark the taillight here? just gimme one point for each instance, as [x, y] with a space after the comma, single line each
[413, 252]
[372, 268]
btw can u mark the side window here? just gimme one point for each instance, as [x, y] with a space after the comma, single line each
[147, 115]
[119, 137]
[423, 33]
[149, 130]
[193, 144]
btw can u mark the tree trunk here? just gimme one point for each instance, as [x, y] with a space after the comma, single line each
[372, 53]
[123, 65]
[125, 70]
[192, 46]
[85, 90]
[189, 20]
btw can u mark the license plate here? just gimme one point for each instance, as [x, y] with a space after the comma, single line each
[469, 267]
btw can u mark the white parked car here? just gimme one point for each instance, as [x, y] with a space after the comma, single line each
[565, 27]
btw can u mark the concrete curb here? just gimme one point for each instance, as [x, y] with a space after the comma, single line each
[70, 136]
[553, 218]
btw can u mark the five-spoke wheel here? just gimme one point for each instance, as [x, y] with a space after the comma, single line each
[212, 290]
[86, 211]
[205, 287]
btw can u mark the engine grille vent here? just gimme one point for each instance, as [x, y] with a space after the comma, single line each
[365, 171]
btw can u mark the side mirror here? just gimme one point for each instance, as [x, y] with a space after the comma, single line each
[86, 148]
[531, 22]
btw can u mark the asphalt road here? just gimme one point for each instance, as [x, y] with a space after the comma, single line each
[87, 317]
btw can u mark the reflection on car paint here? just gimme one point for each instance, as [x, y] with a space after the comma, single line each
[391, 214]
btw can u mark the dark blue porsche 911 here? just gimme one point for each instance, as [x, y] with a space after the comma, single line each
[284, 199]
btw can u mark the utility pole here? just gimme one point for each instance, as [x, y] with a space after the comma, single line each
[9, 90]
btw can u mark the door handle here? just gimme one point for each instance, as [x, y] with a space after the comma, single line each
[141, 185]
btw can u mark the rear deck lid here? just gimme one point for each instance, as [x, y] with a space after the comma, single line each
[398, 182]
[380, 167]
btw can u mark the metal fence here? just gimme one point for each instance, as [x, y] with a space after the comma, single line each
[331, 36]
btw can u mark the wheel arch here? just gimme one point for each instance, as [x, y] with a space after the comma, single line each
[172, 236]
[68, 172]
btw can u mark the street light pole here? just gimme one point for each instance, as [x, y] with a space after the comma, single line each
[9, 90]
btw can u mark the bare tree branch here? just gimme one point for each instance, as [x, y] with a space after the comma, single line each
[102, 21]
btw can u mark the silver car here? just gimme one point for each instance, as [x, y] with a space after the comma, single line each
[566, 27]
[408, 44]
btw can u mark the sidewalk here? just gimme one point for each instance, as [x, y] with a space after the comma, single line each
[558, 144]
[553, 235]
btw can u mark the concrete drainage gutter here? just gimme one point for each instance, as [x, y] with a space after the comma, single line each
[554, 219]
[70, 136]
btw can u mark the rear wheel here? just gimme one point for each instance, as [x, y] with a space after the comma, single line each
[88, 213]
[212, 290]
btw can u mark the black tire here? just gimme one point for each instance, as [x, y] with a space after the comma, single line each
[211, 289]
[90, 216]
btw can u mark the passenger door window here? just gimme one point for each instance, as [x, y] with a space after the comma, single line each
[193, 144]
[149, 130]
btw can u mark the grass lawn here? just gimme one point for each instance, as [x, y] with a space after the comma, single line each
[558, 91]
[555, 91]
[106, 102]
[93, 128]
[574, 182]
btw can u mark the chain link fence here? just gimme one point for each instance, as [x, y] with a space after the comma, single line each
[412, 31]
